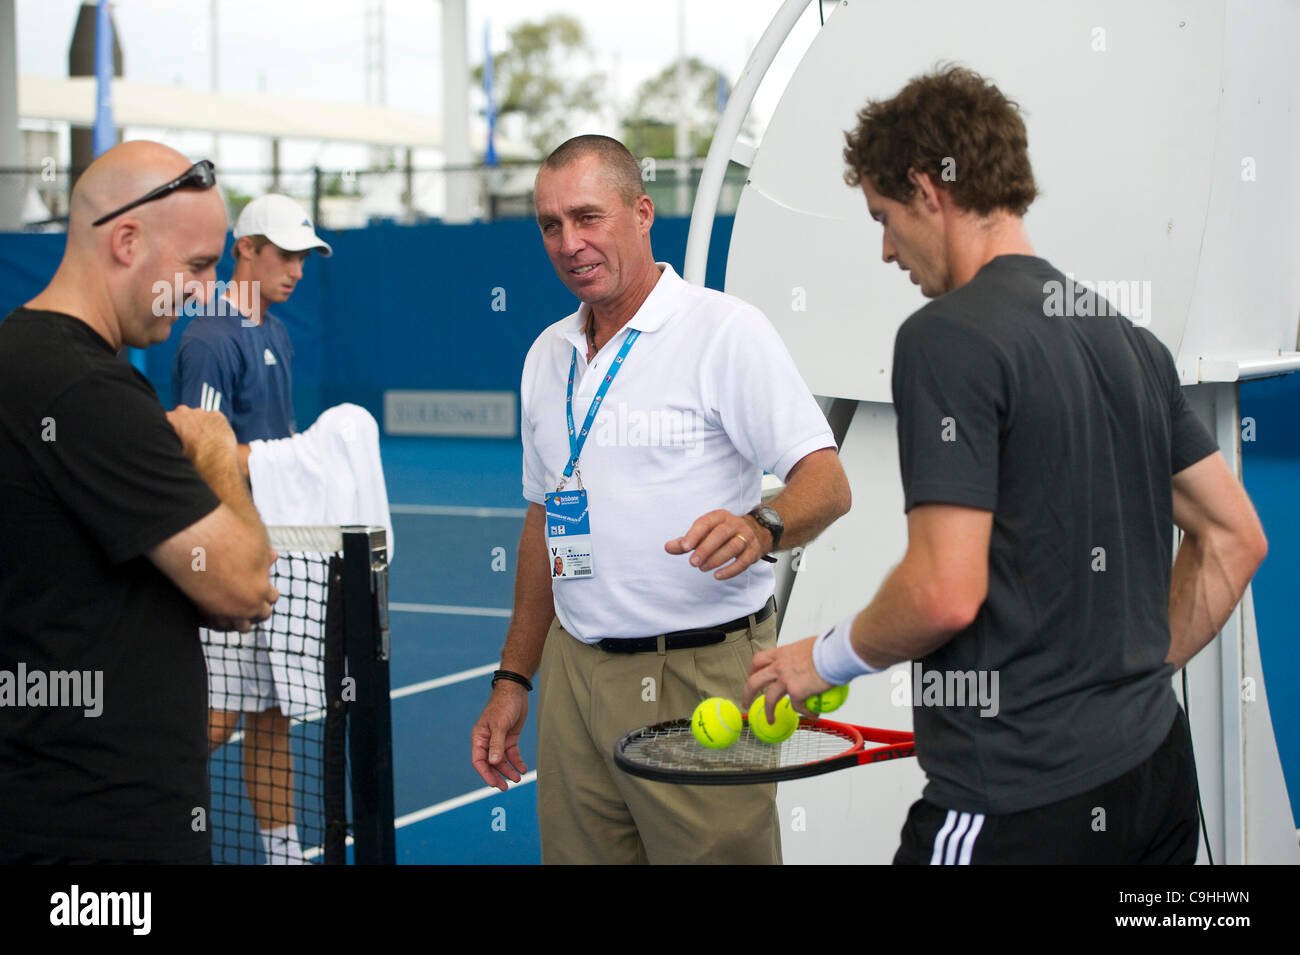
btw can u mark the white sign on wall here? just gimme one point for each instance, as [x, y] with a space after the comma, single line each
[478, 414]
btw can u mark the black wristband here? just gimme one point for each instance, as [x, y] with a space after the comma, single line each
[513, 677]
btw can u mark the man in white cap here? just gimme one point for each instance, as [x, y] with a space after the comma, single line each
[235, 358]
[239, 364]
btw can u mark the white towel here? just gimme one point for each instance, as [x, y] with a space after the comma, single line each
[329, 474]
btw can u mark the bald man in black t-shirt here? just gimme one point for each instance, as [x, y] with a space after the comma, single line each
[123, 529]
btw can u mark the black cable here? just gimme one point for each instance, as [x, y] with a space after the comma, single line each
[821, 15]
[1199, 808]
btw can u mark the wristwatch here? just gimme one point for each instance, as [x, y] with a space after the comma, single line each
[768, 519]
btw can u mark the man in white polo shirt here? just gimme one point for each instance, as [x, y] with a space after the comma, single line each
[648, 418]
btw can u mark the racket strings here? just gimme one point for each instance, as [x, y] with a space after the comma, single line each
[673, 747]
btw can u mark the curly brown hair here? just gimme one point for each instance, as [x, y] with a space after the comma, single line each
[954, 125]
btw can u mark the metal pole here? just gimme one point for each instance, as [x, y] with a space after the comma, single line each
[370, 734]
[683, 131]
[458, 205]
[215, 65]
[11, 184]
[715, 166]
[1227, 431]
[408, 194]
[315, 196]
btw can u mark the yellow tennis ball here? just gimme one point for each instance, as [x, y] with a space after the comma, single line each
[716, 723]
[827, 700]
[781, 729]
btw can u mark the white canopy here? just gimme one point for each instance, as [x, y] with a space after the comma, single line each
[72, 100]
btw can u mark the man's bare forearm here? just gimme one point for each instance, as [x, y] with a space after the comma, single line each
[901, 622]
[816, 494]
[1209, 577]
[534, 601]
[221, 470]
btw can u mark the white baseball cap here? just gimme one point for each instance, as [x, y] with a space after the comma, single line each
[282, 221]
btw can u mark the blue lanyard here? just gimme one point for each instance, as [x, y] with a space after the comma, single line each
[577, 441]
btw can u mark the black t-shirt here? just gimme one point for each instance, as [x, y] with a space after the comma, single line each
[1068, 429]
[92, 477]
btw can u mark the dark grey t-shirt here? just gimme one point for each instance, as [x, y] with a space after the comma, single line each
[1068, 429]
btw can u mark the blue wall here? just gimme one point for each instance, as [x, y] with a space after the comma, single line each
[395, 307]
[1271, 469]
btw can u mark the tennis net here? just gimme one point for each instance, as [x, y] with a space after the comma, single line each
[291, 700]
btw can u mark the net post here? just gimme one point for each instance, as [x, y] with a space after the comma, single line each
[370, 738]
[334, 795]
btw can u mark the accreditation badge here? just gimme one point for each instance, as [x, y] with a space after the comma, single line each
[568, 535]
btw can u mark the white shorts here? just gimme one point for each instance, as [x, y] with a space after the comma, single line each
[281, 662]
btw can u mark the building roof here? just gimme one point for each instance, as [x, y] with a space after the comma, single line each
[72, 100]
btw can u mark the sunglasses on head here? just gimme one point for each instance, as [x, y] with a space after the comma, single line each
[202, 175]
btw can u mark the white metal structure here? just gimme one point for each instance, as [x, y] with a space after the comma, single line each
[455, 108]
[1166, 142]
[151, 105]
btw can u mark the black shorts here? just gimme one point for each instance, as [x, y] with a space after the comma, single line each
[1147, 816]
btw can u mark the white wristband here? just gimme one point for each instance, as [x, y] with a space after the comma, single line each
[834, 658]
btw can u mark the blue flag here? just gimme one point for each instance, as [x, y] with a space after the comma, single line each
[105, 134]
[490, 154]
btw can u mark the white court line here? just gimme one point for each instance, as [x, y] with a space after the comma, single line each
[450, 510]
[450, 609]
[316, 851]
[409, 690]
[444, 681]
[436, 810]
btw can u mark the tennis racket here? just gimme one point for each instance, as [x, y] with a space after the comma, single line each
[670, 753]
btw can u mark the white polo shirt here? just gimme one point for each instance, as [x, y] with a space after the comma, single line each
[706, 400]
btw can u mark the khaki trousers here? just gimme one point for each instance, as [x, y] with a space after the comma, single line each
[590, 811]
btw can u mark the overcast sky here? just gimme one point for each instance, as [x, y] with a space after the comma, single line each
[315, 48]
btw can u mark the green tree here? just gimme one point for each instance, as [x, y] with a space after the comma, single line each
[535, 79]
[650, 127]
[235, 201]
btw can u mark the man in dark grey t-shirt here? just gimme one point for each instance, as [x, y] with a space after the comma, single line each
[1046, 454]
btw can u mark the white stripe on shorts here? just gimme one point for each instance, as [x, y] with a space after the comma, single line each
[937, 857]
[968, 844]
[955, 840]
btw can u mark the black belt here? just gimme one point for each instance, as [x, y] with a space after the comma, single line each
[685, 639]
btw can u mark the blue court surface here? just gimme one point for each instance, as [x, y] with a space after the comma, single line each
[457, 514]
